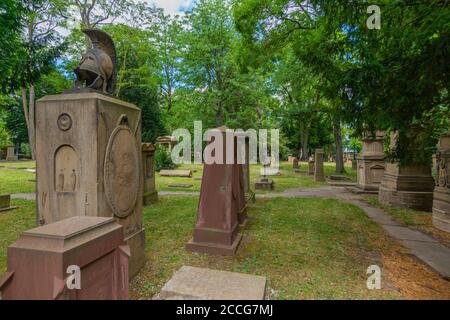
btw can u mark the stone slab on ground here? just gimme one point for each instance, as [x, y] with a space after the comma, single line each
[342, 184]
[180, 185]
[357, 190]
[176, 173]
[191, 283]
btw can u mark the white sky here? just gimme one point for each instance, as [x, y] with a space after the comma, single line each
[172, 6]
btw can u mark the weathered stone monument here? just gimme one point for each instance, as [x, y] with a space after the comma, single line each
[41, 261]
[11, 153]
[88, 151]
[371, 163]
[167, 142]
[407, 186]
[148, 171]
[441, 198]
[217, 228]
[311, 166]
[319, 173]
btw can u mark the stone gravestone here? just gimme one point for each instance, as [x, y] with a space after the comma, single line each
[319, 174]
[245, 138]
[264, 183]
[371, 165]
[88, 152]
[11, 153]
[191, 283]
[295, 164]
[148, 171]
[406, 186]
[5, 202]
[441, 198]
[217, 228]
[39, 261]
[311, 166]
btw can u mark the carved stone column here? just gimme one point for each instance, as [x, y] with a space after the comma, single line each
[88, 161]
[441, 199]
[371, 164]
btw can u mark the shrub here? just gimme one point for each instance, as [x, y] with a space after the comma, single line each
[163, 160]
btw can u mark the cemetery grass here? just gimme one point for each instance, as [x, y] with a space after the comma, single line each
[419, 220]
[287, 180]
[307, 248]
[13, 223]
[16, 181]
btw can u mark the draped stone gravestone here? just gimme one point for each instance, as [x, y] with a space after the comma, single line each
[371, 165]
[42, 259]
[319, 174]
[88, 151]
[408, 186]
[441, 197]
[148, 171]
[217, 227]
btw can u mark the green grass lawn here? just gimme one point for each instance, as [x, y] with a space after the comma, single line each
[307, 248]
[18, 181]
[287, 180]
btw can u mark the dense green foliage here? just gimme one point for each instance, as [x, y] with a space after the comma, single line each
[312, 68]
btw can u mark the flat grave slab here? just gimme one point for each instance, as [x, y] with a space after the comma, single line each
[191, 283]
[180, 185]
[176, 173]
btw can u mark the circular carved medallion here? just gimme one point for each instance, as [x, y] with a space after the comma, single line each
[64, 122]
[121, 171]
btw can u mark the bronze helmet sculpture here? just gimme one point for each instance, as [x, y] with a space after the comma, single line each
[97, 68]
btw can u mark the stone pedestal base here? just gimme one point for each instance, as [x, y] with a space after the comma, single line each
[150, 198]
[407, 187]
[441, 208]
[264, 184]
[136, 242]
[214, 241]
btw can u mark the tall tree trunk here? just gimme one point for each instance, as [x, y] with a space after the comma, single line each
[340, 169]
[219, 114]
[304, 140]
[29, 111]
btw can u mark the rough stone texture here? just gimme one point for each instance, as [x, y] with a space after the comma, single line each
[221, 198]
[441, 201]
[371, 165]
[148, 171]
[11, 153]
[191, 283]
[88, 153]
[176, 173]
[319, 173]
[407, 187]
[38, 261]
[311, 167]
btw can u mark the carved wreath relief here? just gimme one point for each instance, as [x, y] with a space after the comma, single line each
[122, 171]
